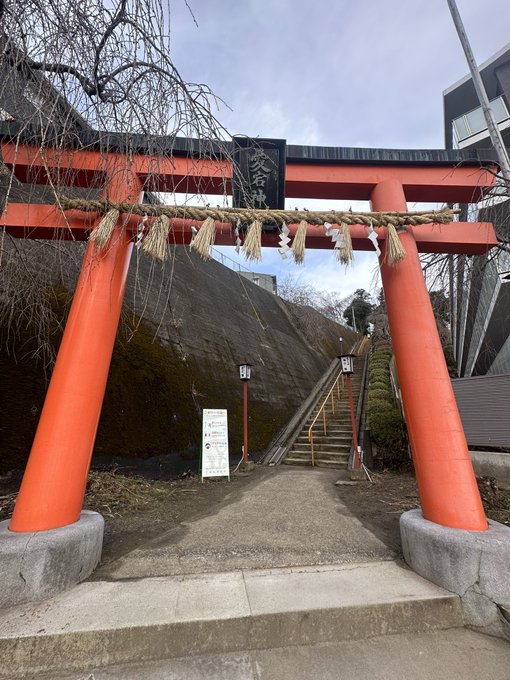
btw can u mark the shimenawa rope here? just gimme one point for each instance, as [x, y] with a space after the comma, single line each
[158, 234]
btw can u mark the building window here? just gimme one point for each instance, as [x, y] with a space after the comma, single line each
[473, 122]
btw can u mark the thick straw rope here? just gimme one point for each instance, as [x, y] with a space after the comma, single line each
[298, 244]
[252, 242]
[155, 241]
[344, 253]
[274, 217]
[204, 239]
[101, 233]
[395, 251]
[154, 244]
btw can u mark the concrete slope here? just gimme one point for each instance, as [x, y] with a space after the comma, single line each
[105, 623]
[286, 517]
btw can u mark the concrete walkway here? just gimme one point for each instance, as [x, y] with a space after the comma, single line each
[280, 581]
[287, 517]
[102, 623]
[440, 655]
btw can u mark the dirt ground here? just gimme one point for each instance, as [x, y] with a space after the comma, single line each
[137, 509]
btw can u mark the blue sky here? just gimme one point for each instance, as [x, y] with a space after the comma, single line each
[335, 73]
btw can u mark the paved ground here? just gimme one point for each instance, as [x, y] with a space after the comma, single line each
[442, 655]
[281, 569]
[288, 517]
[104, 623]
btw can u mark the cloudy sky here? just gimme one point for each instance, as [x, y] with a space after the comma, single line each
[334, 73]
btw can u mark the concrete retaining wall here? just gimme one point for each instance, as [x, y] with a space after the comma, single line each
[492, 464]
[195, 321]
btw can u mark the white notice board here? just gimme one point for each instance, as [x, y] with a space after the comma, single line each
[215, 443]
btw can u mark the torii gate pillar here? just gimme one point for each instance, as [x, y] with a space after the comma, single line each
[53, 487]
[445, 476]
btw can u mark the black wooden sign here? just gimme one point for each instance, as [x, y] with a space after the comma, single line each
[258, 179]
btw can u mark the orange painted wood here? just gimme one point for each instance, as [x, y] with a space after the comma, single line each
[208, 176]
[55, 478]
[48, 222]
[446, 481]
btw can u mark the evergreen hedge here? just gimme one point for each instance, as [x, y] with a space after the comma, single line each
[387, 428]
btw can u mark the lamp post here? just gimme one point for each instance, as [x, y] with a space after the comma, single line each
[347, 364]
[245, 375]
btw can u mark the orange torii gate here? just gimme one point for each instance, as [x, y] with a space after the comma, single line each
[53, 486]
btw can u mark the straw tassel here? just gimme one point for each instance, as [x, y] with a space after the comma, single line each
[344, 253]
[101, 233]
[394, 249]
[252, 242]
[298, 244]
[204, 239]
[154, 244]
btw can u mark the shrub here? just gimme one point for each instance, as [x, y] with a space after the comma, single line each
[380, 393]
[379, 375]
[377, 385]
[380, 405]
[387, 428]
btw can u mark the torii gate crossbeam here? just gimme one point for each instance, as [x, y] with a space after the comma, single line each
[53, 486]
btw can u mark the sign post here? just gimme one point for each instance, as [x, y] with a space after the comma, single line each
[215, 461]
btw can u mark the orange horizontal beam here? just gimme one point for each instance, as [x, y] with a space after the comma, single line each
[209, 176]
[355, 182]
[87, 169]
[48, 222]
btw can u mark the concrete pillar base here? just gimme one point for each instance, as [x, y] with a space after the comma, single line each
[246, 466]
[40, 564]
[473, 564]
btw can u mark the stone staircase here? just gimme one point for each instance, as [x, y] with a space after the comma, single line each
[331, 448]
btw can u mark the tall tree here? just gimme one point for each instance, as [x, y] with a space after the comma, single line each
[357, 313]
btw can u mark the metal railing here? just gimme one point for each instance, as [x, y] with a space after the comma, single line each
[227, 261]
[322, 409]
[358, 349]
[285, 438]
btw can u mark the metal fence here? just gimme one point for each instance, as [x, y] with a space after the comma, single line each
[484, 405]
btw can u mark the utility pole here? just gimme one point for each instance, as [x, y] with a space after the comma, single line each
[492, 126]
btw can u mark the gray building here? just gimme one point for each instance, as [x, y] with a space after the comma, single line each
[480, 285]
[265, 281]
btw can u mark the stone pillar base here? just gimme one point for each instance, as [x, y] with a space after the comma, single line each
[40, 564]
[473, 564]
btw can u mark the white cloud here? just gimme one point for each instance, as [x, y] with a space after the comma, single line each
[335, 73]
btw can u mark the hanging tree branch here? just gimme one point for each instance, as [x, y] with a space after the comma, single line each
[114, 64]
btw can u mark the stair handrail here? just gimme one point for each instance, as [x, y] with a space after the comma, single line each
[330, 394]
[358, 346]
[283, 440]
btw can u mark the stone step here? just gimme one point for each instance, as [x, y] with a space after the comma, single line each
[339, 456]
[335, 419]
[322, 448]
[292, 460]
[337, 464]
[319, 463]
[337, 415]
[326, 463]
[332, 430]
[439, 654]
[140, 620]
[337, 438]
